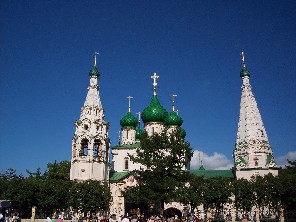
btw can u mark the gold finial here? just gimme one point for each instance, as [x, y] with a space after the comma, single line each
[129, 103]
[173, 102]
[154, 77]
[95, 58]
[243, 60]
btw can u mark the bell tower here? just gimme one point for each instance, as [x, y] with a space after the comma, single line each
[91, 143]
[252, 154]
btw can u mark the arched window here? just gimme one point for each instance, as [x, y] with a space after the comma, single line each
[84, 147]
[96, 148]
[126, 163]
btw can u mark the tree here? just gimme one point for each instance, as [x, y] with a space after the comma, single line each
[243, 195]
[217, 193]
[163, 158]
[90, 196]
[58, 171]
[287, 178]
[192, 193]
[10, 174]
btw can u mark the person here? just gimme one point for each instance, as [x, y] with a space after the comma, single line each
[1, 217]
[125, 219]
[60, 219]
[244, 219]
[48, 219]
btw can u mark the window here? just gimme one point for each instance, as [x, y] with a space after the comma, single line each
[84, 147]
[126, 163]
[96, 148]
[85, 126]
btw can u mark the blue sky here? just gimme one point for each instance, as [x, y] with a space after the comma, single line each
[194, 46]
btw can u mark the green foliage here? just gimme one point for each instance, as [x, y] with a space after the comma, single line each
[193, 192]
[53, 190]
[163, 158]
[10, 174]
[243, 195]
[58, 171]
[90, 196]
[268, 191]
[288, 180]
[217, 192]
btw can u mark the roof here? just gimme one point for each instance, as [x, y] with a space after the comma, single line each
[117, 176]
[214, 173]
[127, 146]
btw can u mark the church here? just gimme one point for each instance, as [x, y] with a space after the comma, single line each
[91, 148]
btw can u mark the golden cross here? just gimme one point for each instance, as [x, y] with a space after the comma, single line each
[243, 59]
[95, 58]
[129, 103]
[154, 77]
[173, 102]
[139, 116]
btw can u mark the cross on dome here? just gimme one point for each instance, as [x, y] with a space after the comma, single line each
[129, 103]
[154, 77]
[139, 116]
[95, 58]
[173, 102]
[243, 60]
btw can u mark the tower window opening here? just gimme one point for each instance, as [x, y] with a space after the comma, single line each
[256, 163]
[96, 148]
[84, 147]
[85, 126]
[126, 163]
[127, 134]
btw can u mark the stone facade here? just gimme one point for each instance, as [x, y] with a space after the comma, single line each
[90, 143]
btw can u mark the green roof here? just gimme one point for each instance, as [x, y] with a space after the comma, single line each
[129, 121]
[213, 173]
[173, 119]
[117, 176]
[244, 72]
[128, 146]
[94, 71]
[154, 112]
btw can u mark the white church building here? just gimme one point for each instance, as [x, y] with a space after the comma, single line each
[91, 149]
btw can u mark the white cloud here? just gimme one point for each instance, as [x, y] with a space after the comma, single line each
[217, 161]
[282, 160]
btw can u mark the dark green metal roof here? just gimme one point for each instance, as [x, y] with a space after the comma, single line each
[129, 121]
[94, 71]
[154, 112]
[173, 119]
[213, 173]
[127, 146]
[117, 176]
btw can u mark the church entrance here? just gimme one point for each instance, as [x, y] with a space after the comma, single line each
[172, 212]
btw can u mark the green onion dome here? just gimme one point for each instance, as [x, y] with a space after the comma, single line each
[138, 133]
[94, 71]
[244, 72]
[154, 112]
[129, 121]
[183, 133]
[173, 119]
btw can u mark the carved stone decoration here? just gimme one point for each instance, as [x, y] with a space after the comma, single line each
[91, 130]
